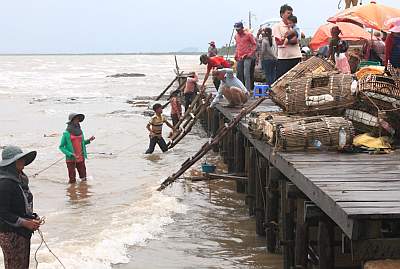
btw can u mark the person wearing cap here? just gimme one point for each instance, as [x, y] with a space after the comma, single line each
[392, 45]
[212, 49]
[17, 220]
[289, 55]
[73, 145]
[216, 62]
[245, 55]
[231, 88]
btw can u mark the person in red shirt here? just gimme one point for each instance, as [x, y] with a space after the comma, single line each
[216, 62]
[245, 55]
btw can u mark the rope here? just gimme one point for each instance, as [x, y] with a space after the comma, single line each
[48, 167]
[43, 241]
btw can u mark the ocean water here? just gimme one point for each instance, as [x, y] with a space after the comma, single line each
[117, 219]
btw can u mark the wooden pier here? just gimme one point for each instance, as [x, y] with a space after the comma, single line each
[320, 210]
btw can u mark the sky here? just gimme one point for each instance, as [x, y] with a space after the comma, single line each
[125, 26]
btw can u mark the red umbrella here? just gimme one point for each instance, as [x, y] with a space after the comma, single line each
[350, 32]
[371, 15]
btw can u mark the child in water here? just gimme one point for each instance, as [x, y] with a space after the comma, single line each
[155, 128]
[176, 108]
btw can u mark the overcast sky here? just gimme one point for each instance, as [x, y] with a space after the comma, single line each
[96, 26]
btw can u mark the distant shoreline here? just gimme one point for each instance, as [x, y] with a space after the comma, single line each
[88, 54]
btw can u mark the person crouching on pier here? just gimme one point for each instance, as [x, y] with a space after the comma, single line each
[155, 128]
[73, 145]
[231, 88]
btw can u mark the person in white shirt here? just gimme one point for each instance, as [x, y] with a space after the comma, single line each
[231, 88]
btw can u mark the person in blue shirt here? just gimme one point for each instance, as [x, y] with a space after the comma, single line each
[231, 88]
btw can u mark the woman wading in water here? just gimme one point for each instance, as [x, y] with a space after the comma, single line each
[17, 220]
[73, 145]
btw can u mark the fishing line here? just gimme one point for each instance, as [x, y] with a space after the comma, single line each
[48, 167]
[43, 241]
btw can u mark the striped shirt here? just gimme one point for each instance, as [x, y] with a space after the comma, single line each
[156, 123]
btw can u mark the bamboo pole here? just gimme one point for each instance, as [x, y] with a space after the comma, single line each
[209, 145]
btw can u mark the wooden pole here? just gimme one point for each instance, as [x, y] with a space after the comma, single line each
[251, 190]
[166, 89]
[239, 160]
[208, 146]
[260, 194]
[301, 241]
[272, 213]
[325, 245]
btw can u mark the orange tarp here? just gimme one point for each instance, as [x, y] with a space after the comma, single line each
[371, 15]
[349, 32]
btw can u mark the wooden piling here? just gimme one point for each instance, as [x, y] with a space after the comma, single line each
[260, 199]
[239, 160]
[325, 244]
[251, 186]
[287, 226]
[272, 207]
[301, 240]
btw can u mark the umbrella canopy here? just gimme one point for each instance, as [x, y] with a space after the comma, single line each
[350, 31]
[371, 15]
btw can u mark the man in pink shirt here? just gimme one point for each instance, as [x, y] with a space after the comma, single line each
[245, 55]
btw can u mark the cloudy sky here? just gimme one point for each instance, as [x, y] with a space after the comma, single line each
[112, 26]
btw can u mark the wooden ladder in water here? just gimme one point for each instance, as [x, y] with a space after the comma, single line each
[210, 144]
[188, 120]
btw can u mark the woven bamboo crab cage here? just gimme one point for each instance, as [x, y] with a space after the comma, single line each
[313, 94]
[311, 133]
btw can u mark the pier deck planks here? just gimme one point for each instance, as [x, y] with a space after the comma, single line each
[347, 187]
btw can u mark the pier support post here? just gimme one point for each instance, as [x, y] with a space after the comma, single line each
[325, 244]
[230, 160]
[260, 183]
[215, 126]
[301, 241]
[272, 208]
[251, 186]
[287, 226]
[239, 160]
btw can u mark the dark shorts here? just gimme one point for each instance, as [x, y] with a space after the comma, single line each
[284, 65]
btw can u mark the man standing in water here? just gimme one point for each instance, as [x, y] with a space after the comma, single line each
[288, 55]
[245, 55]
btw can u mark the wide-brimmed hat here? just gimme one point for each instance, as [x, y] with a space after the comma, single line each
[74, 115]
[11, 154]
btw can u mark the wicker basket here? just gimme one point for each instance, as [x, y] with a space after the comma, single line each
[311, 133]
[325, 93]
[263, 125]
[367, 118]
[382, 91]
[313, 65]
